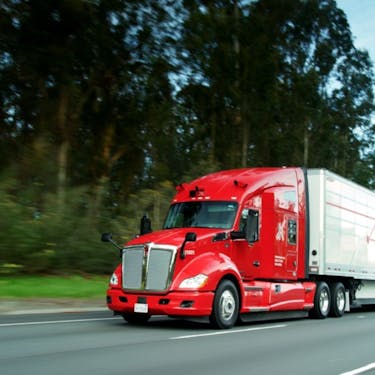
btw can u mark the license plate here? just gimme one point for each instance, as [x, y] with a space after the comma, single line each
[141, 308]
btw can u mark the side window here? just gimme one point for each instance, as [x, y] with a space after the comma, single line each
[292, 231]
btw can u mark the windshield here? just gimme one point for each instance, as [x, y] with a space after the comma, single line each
[201, 214]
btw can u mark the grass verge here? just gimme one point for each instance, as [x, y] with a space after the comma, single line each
[53, 286]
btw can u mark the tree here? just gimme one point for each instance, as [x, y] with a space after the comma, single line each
[79, 74]
[276, 83]
[74, 83]
[103, 103]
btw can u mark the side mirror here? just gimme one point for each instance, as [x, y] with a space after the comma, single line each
[189, 237]
[106, 237]
[252, 226]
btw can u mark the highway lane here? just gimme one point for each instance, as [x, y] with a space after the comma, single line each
[97, 343]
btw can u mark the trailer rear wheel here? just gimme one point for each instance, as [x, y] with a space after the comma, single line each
[225, 306]
[337, 300]
[322, 301]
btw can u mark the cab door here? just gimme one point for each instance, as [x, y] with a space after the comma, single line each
[284, 242]
[247, 252]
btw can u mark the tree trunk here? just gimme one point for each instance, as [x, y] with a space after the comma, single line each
[306, 149]
[63, 149]
[245, 143]
[110, 156]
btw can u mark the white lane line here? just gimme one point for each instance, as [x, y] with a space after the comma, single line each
[53, 322]
[360, 370]
[227, 332]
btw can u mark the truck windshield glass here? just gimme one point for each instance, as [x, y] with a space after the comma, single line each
[215, 214]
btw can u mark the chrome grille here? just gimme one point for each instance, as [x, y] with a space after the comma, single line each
[148, 267]
[132, 265]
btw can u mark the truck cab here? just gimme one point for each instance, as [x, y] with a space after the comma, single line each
[232, 245]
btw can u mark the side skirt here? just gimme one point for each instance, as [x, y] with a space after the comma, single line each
[272, 315]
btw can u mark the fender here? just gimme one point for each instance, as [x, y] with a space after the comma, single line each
[214, 265]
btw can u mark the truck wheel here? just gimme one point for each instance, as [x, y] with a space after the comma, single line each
[322, 301]
[136, 318]
[225, 306]
[337, 300]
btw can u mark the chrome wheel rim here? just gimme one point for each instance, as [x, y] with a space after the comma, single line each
[340, 300]
[227, 305]
[324, 301]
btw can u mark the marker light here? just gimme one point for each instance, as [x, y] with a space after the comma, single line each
[114, 280]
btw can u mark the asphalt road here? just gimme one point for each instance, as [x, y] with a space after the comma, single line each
[97, 343]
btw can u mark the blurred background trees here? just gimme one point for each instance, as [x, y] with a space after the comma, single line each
[106, 105]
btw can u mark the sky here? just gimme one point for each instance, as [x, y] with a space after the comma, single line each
[361, 18]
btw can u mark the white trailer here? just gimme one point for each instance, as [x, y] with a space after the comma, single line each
[342, 235]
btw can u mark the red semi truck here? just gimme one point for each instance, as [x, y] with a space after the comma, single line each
[250, 244]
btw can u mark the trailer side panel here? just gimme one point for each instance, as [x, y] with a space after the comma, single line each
[342, 227]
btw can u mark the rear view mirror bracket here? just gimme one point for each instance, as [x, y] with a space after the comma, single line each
[107, 237]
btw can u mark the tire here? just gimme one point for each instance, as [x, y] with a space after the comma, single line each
[322, 301]
[136, 318]
[225, 306]
[338, 301]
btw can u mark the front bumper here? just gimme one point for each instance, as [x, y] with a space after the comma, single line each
[189, 303]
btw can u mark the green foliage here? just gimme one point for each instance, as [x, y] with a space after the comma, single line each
[46, 240]
[277, 83]
[151, 202]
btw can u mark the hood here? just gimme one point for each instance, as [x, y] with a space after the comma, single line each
[175, 236]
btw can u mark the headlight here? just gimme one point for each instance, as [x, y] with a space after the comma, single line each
[194, 282]
[114, 280]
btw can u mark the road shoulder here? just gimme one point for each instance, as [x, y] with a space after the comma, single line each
[21, 306]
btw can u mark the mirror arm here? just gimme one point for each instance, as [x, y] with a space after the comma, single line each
[115, 244]
[237, 235]
[182, 251]
[107, 237]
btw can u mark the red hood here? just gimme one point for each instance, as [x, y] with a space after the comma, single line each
[174, 237]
